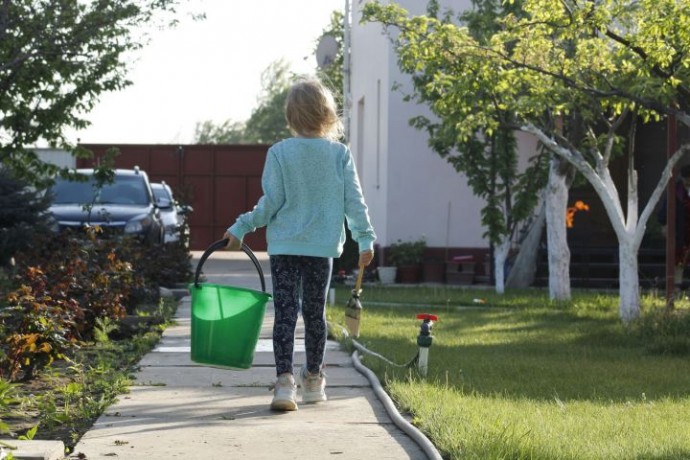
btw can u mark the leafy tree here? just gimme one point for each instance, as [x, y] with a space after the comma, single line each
[266, 124]
[562, 67]
[332, 75]
[227, 132]
[56, 58]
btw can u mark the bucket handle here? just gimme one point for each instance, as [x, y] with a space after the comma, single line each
[220, 244]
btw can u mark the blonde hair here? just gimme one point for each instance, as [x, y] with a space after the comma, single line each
[311, 111]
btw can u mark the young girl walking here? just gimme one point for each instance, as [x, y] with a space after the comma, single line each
[310, 188]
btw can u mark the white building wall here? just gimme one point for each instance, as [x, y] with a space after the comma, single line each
[411, 191]
[369, 117]
[57, 157]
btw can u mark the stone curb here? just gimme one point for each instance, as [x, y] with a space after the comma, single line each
[33, 450]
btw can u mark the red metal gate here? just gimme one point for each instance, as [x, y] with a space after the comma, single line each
[219, 181]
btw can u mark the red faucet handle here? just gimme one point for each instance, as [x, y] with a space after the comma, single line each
[428, 316]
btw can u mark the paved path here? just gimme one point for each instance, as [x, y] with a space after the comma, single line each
[179, 409]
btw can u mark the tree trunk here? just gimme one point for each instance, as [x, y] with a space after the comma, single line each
[629, 282]
[524, 270]
[629, 231]
[500, 257]
[557, 238]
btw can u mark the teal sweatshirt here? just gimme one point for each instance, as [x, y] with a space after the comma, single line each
[310, 187]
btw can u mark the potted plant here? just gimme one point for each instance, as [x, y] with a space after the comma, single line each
[407, 257]
[387, 274]
[433, 269]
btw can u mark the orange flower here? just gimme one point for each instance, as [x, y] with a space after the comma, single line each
[581, 206]
[570, 212]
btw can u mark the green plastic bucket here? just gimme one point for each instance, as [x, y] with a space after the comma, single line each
[226, 320]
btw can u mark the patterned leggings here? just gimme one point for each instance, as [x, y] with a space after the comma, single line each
[310, 277]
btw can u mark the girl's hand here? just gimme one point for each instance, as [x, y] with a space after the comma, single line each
[365, 258]
[233, 243]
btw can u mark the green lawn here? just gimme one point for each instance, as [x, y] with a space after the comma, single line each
[517, 377]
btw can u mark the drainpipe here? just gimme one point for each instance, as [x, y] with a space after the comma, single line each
[347, 103]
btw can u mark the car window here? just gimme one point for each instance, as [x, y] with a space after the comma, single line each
[161, 192]
[125, 190]
[66, 192]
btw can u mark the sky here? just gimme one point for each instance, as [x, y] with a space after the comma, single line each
[208, 70]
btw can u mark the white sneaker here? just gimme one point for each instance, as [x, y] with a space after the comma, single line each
[284, 393]
[313, 386]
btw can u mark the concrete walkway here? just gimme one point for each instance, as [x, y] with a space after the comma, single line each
[179, 409]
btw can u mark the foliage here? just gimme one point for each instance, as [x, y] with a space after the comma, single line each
[67, 285]
[227, 132]
[563, 71]
[64, 286]
[161, 265]
[332, 76]
[22, 213]
[102, 329]
[9, 396]
[39, 327]
[403, 253]
[103, 174]
[63, 403]
[59, 308]
[266, 125]
[56, 59]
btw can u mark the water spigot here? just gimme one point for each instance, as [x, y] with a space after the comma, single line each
[425, 338]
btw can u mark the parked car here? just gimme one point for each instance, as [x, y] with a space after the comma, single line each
[124, 207]
[172, 213]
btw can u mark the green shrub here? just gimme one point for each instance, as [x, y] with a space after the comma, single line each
[22, 213]
[162, 265]
[86, 269]
[39, 327]
[65, 284]
[403, 253]
[156, 265]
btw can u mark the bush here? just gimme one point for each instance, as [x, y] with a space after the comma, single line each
[63, 285]
[403, 253]
[23, 212]
[158, 265]
[86, 269]
[39, 326]
[163, 265]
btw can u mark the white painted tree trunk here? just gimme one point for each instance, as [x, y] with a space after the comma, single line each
[629, 306]
[556, 235]
[500, 256]
[523, 272]
[629, 226]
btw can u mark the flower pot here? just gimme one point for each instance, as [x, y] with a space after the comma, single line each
[433, 272]
[387, 274]
[409, 274]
